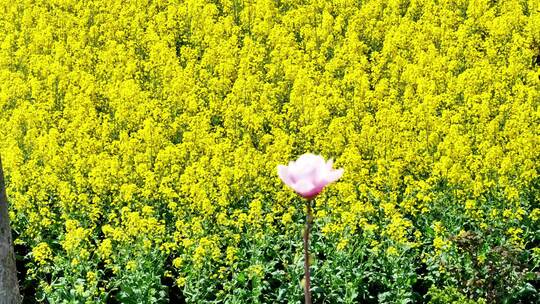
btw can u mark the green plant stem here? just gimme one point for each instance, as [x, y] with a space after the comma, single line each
[307, 276]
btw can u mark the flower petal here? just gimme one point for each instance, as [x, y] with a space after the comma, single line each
[329, 164]
[334, 175]
[283, 172]
[305, 167]
[305, 188]
[309, 174]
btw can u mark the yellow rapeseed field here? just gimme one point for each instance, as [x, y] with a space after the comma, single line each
[140, 141]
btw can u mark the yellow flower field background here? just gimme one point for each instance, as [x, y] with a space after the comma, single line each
[140, 141]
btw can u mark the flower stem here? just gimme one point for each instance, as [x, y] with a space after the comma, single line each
[307, 277]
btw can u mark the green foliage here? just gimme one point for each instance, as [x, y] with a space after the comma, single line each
[450, 295]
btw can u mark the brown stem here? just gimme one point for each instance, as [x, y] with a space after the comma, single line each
[307, 277]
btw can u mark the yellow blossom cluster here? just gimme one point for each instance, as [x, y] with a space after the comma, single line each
[157, 125]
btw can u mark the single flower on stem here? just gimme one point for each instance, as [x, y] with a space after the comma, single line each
[308, 176]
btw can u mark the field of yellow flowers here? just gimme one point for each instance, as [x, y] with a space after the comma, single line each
[140, 141]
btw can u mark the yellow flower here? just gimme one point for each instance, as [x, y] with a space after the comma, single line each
[105, 248]
[231, 255]
[42, 253]
[392, 251]
[535, 214]
[177, 262]
[181, 281]
[131, 265]
[439, 243]
[91, 277]
[342, 244]
[128, 131]
[255, 271]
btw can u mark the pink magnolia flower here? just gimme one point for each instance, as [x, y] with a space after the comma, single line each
[309, 174]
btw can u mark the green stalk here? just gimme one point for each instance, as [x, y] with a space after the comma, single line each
[307, 276]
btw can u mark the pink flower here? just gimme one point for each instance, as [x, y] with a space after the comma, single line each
[309, 174]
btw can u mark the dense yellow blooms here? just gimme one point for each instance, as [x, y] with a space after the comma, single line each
[42, 253]
[128, 127]
[74, 236]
